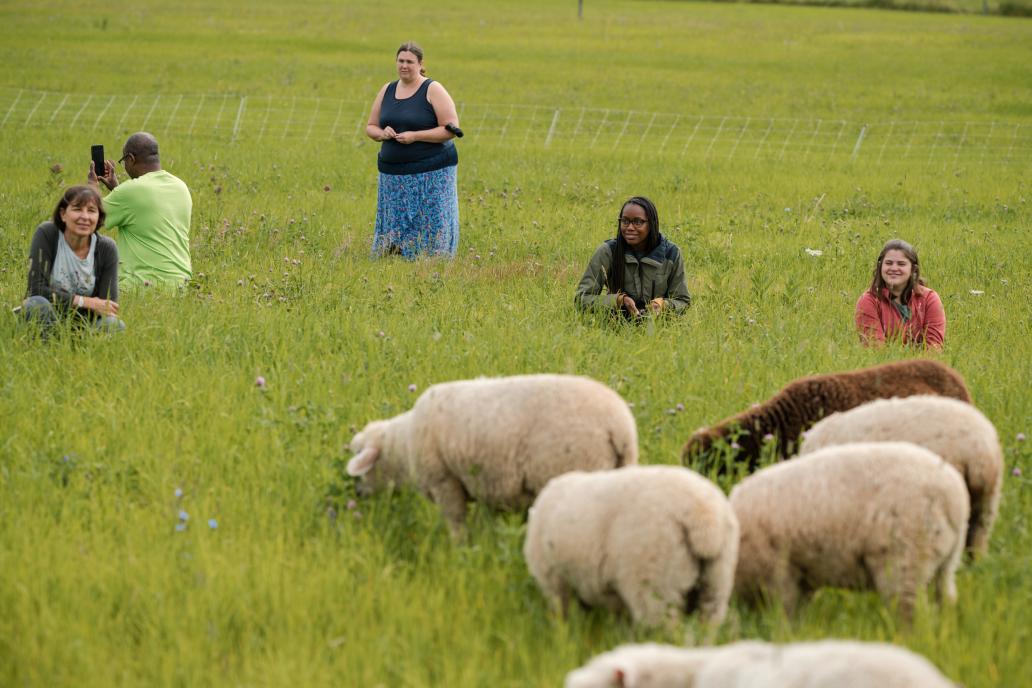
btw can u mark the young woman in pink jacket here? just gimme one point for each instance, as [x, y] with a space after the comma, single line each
[898, 305]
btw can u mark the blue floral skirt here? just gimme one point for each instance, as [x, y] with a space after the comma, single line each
[417, 214]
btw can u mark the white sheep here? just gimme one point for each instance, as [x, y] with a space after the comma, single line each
[656, 541]
[496, 440]
[956, 431]
[884, 515]
[752, 664]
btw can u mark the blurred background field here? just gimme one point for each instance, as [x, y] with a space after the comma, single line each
[760, 131]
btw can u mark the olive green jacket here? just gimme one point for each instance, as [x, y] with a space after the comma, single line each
[659, 275]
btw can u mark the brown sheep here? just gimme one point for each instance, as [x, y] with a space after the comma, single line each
[803, 402]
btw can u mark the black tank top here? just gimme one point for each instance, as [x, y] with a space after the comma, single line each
[414, 113]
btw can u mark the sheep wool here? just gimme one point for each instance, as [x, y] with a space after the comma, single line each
[496, 440]
[652, 540]
[804, 401]
[890, 516]
[956, 431]
[751, 664]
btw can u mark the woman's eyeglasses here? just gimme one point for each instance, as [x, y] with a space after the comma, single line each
[638, 222]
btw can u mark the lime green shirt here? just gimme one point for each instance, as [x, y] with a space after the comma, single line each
[152, 214]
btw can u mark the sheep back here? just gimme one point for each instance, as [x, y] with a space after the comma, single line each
[956, 431]
[650, 539]
[754, 664]
[504, 438]
[822, 664]
[884, 515]
[804, 401]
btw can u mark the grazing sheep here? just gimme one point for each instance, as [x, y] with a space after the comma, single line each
[496, 440]
[804, 401]
[654, 540]
[752, 664]
[884, 515]
[956, 431]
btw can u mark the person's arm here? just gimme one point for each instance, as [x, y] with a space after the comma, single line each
[105, 290]
[444, 108]
[677, 298]
[373, 129]
[868, 324]
[934, 321]
[118, 207]
[41, 262]
[589, 294]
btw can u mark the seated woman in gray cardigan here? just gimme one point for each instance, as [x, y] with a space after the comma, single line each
[72, 269]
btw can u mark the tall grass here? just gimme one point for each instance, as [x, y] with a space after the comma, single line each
[294, 586]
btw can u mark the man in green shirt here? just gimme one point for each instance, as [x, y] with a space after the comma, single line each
[152, 214]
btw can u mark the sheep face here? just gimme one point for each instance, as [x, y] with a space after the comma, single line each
[367, 464]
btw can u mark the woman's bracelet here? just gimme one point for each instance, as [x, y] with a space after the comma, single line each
[80, 302]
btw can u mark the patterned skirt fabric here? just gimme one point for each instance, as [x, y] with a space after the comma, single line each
[417, 214]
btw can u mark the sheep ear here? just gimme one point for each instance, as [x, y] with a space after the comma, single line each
[363, 461]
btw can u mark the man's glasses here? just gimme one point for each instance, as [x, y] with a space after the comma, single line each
[638, 222]
[122, 159]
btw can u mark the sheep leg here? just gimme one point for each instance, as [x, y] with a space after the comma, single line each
[651, 607]
[558, 596]
[449, 494]
[897, 581]
[714, 588]
[984, 504]
[945, 585]
[784, 586]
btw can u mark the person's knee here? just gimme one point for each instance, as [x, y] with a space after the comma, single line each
[38, 308]
[109, 323]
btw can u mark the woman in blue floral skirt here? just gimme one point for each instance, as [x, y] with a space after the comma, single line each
[417, 205]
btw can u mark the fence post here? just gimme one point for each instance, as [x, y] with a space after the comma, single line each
[859, 142]
[551, 128]
[240, 112]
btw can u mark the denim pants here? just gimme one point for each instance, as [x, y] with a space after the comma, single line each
[39, 310]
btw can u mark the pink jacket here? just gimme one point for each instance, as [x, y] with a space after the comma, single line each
[878, 320]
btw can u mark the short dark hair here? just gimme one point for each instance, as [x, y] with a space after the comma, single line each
[78, 195]
[878, 284]
[143, 147]
[615, 280]
[410, 47]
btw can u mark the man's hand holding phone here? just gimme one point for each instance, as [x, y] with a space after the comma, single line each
[109, 177]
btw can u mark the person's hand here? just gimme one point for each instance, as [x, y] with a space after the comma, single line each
[388, 133]
[100, 306]
[627, 303]
[109, 178]
[656, 305]
[405, 137]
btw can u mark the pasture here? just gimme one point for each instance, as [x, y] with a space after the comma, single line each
[760, 131]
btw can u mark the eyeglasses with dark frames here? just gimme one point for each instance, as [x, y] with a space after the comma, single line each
[638, 222]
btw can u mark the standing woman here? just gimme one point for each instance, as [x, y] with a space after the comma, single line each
[72, 269]
[898, 305]
[417, 203]
[640, 271]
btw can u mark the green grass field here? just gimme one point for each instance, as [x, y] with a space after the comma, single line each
[740, 121]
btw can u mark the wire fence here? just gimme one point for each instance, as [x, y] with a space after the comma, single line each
[309, 120]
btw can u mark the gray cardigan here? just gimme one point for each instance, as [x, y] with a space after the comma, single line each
[41, 261]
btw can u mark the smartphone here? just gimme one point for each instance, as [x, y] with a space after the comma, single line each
[97, 153]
